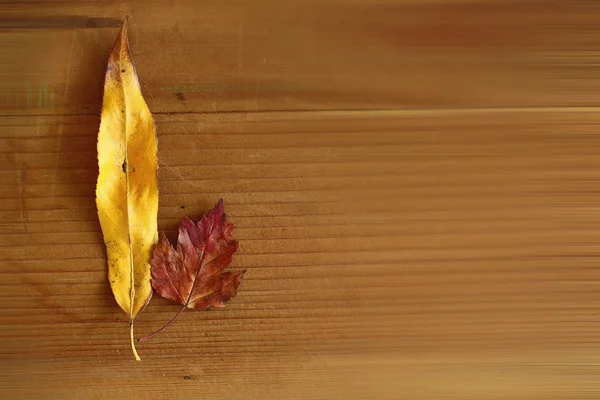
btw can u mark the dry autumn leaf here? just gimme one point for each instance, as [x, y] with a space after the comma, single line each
[192, 275]
[126, 192]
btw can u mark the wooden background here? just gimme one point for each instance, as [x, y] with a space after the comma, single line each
[414, 184]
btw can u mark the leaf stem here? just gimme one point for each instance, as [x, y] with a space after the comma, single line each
[167, 324]
[135, 353]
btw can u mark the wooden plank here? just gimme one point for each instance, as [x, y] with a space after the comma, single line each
[414, 186]
[266, 55]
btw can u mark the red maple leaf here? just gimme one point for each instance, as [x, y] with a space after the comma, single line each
[193, 274]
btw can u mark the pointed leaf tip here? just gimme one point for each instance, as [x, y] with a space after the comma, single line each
[123, 32]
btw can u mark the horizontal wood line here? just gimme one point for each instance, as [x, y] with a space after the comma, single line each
[503, 234]
[254, 320]
[340, 307]
[543, 186]
[413, 127]
[439, 306]
[30, 234]
[103, 270]
[521, 324]
[289, 203]
[474, 278]
[398, 139]
[240, 324]
[267, 316]
[409, 138]
[196, 150]
[164, 221]
[562, 174]
[217, 320]
[497, 233]
[367, 300]
[240, 345]
[269, 335]
[513, 246]
[466, 158]
[343, 336]
[264, 337]
[340, 326]
[590, 257]
[194, 193]
[295, 350]
[363, 296]
[352, 345]
[440, 150]
[423, 159]
[259, 178]
[405, 132]
[408, 214]
[448, 232]
[104, 331]
[268, 339]
[470, 179]
[83, 354]
[297, 306]
[520, 328]
[456, 192]
[373, 112]
[557, 205]
[341, 237]
[394, 218]
[542, 292]
[567, 257]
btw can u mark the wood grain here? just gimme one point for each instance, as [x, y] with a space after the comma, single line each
[414, 186]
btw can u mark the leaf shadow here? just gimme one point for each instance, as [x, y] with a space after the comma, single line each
[72, 178]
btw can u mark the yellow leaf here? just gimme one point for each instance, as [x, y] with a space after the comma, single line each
[127, 193]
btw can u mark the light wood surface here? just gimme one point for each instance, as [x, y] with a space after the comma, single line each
[414, 184]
